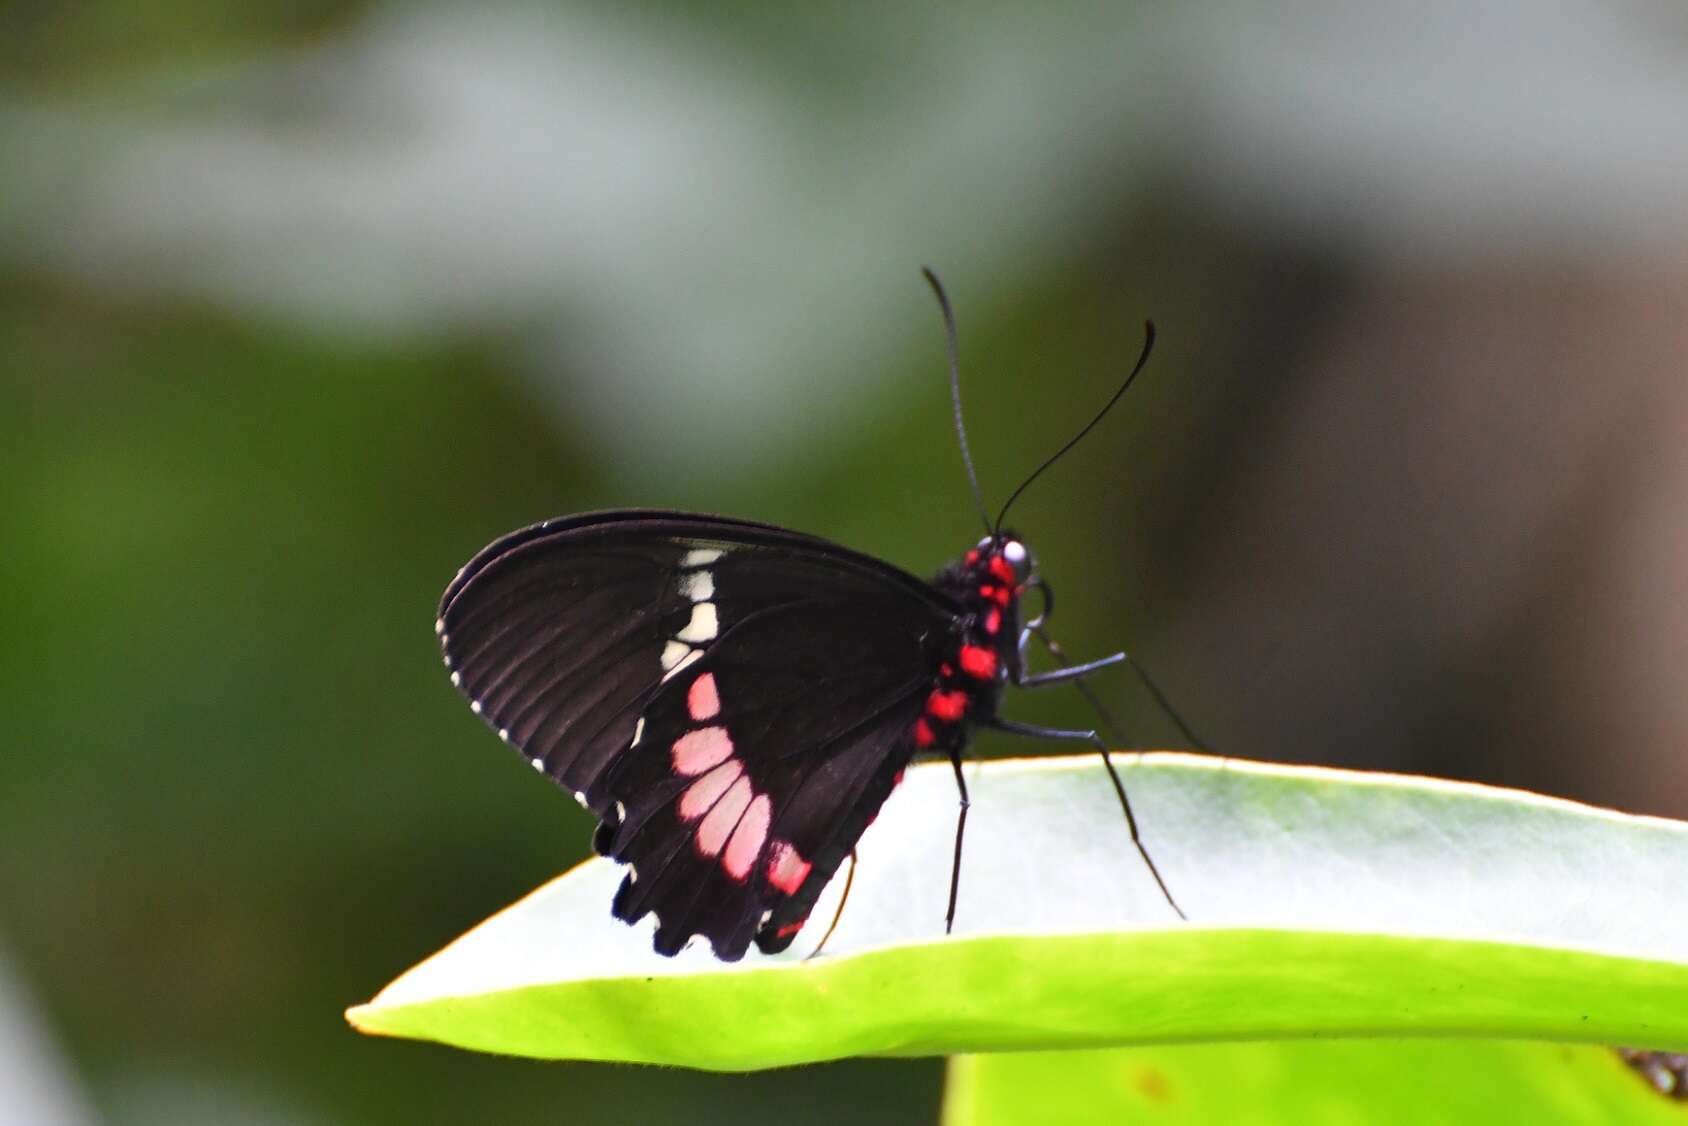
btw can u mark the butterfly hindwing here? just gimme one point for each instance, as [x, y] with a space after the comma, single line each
[732, 701]
[748, 766]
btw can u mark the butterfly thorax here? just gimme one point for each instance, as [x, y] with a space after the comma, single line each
[987, 582]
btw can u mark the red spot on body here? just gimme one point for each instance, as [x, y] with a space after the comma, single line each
[1003, 570]
[923, 734]
[946, 669]
[972, 557]
[947, 706]
[993, 621]
[787, 869]
[977, 661]
[986, 590]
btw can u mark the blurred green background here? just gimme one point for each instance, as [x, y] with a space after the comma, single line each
[302, 304]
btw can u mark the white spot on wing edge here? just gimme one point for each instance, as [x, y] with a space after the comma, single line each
[439, 626]
[638, 732]
[580, 796]
[699, 586]
[539, 764]
[504, 734]
[703, 625]
[672, 654]
[475, 706]
[456, 679]
[701, 556]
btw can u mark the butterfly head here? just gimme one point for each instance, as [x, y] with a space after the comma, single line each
[1017, 555]
[1004, 556]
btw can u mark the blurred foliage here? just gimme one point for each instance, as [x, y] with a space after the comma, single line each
[241, 791]
[49, 43]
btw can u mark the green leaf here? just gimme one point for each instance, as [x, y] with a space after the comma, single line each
[1311, 1082]
[1322, 903]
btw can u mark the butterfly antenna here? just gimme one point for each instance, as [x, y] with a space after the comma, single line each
[955, 392]
[1148, 346]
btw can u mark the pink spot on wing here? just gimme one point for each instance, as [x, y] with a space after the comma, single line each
[786, 868]
[746, 843]
[701, 698]
[700, 750]
[718, 824]
[700, 797]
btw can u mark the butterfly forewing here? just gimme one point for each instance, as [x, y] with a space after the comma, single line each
[732, 701]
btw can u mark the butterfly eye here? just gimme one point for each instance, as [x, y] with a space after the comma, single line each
[1018, 557]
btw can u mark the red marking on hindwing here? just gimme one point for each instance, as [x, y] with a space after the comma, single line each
[993, 620]
[700, 797]
[947, 706]
[791, 928]
[787, 869]
[977, 661]
[702, 700]
[924, 736]
[746, 843]
[718, 824]
[701, 750]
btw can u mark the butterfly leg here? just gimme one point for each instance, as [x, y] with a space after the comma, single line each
[1032, 731]
[1068, 670]
[838, 914]
[960, 828]
[1142, 674]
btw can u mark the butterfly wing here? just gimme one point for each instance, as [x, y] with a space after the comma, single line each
[732, 700]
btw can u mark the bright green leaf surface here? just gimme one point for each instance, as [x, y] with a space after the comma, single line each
[1322, 903]
[1309, 1083]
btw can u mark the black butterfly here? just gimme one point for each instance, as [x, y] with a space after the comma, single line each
[734, 701]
